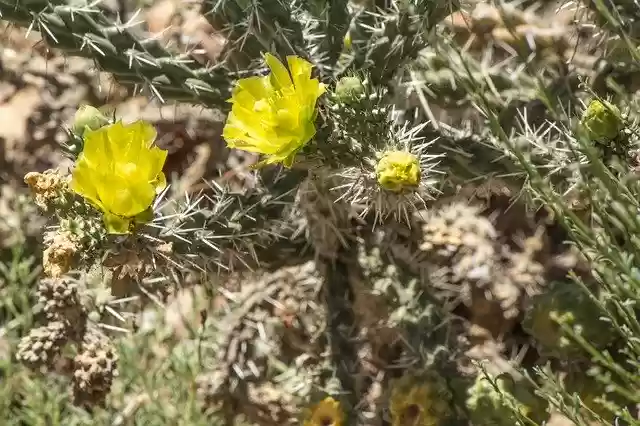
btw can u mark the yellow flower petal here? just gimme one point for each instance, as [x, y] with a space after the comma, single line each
[82, 183]
[96, 150]
[159, 183]
[257, 87]
[300, 71]
[123, 199]
[279, 75]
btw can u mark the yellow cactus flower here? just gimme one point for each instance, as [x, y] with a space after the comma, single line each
[419, 401]
[398, 170]
[325, 413]
[120, 172]
[275, 114]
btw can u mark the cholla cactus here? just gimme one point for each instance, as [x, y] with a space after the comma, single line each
[355, 266]
[42, 345]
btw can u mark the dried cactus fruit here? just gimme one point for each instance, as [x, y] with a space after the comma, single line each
[60, 300]
[42, 345]
[95, 368]
[466, 261]
[458, 229]
[59, 255]
[47, 187]
[566, 303]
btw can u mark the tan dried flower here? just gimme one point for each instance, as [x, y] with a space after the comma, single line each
[58, 257]
[46, 187]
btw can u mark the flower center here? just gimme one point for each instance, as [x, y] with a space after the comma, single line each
[261, 105]
[326, 421]
[411, 415]
[126, 169]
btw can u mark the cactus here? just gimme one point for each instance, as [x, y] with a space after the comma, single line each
[83, 30]
[419, 168]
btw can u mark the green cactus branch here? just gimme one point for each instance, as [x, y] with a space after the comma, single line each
[383, 42]
[234, 227]
[256, 26]
[134, 61]
[326, 23]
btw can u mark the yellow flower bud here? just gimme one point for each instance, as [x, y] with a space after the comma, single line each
[88, 117]
[274, 115]
[602, 120]
[120, 172]
[398, 170]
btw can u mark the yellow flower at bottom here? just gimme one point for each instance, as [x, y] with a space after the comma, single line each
[325, 413]
[274, 115]
[419, 401]
[398, 170]
[120, 172]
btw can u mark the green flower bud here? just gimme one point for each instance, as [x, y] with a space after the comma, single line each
[347, 42]
[602, 120]
[398, 170]
[349, 88]
[88, 116]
